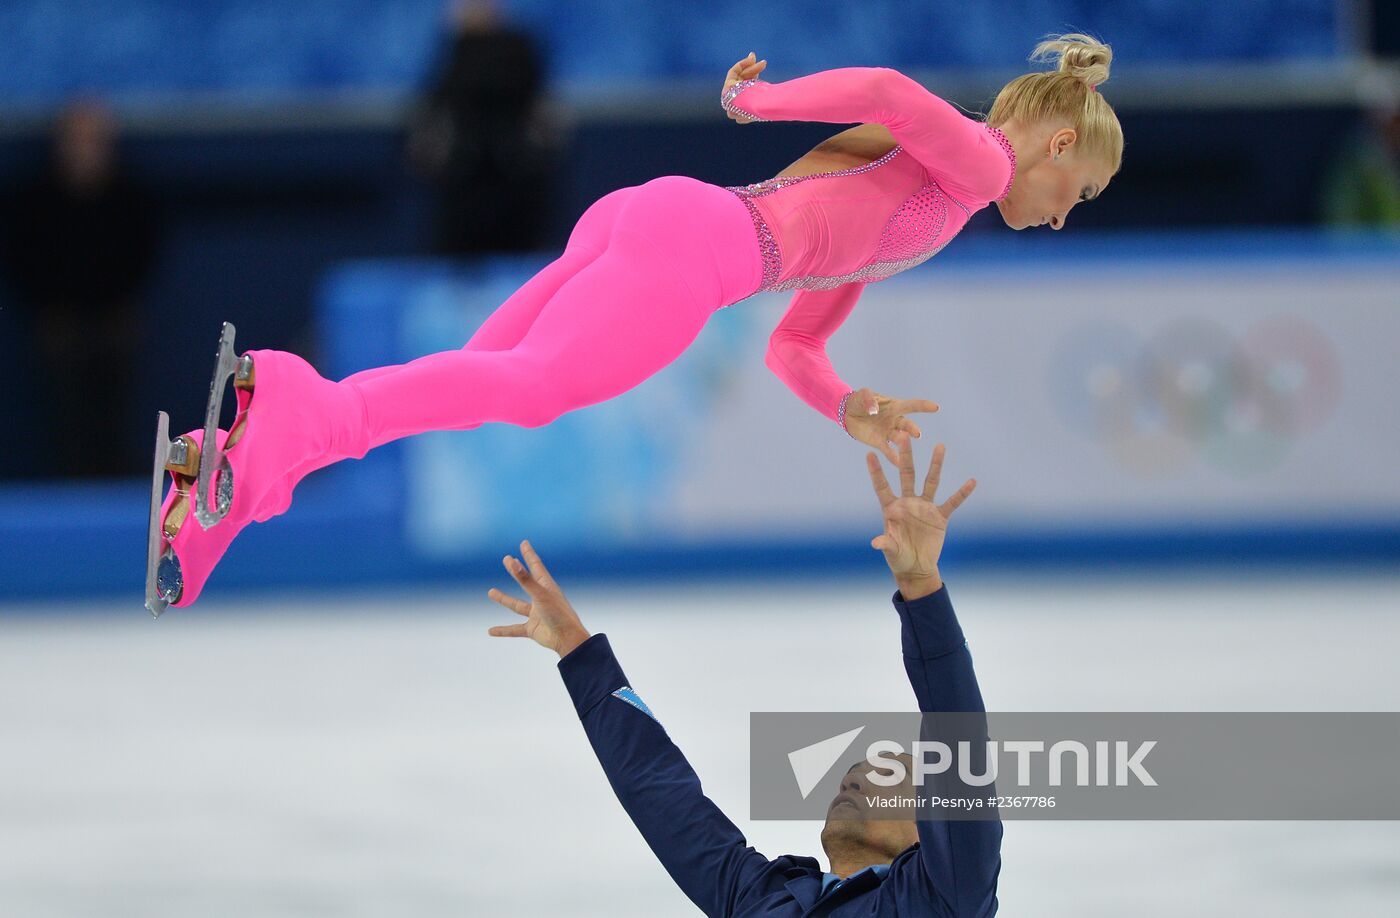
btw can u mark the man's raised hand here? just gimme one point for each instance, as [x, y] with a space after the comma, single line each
[915, 526]
[550, 621]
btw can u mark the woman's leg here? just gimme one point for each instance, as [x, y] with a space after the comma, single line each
[677, 251]
[504, 328]
[674, 252]
[507, 325]
[609, 327]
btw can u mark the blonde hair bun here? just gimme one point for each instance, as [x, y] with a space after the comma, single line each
[1062, 96]
[1082, 56]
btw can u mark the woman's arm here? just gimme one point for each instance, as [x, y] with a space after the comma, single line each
[959, 151]
[797, 348]
[797, 355]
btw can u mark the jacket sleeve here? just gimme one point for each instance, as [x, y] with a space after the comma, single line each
[961, 858]
[705, 854]
[797, 347]
[959, 151]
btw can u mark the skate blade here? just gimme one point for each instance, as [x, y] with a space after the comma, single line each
[155, 544]
[209, 508]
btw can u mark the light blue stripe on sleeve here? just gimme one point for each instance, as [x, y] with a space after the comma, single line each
[628, 695]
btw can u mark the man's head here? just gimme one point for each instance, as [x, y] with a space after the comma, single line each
[868, 823]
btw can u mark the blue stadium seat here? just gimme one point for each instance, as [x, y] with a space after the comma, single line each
[54, 48]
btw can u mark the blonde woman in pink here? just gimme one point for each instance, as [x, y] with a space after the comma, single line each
[645, 268]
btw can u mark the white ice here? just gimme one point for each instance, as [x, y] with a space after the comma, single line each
[360, 755]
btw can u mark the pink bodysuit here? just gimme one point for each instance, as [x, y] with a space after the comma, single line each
[830, 234]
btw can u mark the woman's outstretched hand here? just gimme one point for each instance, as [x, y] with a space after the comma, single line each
[747, 69]
[914, 525]
[874, 419]
[550, 621]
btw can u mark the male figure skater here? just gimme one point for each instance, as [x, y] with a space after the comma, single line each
[878, 866]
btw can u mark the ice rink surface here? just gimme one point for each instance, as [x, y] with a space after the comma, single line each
[380, 755]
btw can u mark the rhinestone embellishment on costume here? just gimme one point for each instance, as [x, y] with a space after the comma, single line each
[1000, 138]
[767, 245]
[778, 183]
[726, 100]
[841, 413]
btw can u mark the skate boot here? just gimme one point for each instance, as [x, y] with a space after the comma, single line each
[290, 421]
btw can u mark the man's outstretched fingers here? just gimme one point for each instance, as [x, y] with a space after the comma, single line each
[508, 630]
[935, 471]
[537, 568]
[877, 478]
[518, 606]
[521, 575]
[956, 500]
[906, 465]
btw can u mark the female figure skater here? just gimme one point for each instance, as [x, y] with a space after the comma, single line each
[646, 267]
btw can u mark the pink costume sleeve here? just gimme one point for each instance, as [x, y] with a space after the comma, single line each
[957, 150]
[797, 348]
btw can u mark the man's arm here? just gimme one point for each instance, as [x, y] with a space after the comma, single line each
[962, 859]
[703, 851]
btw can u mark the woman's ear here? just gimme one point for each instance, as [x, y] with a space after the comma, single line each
[1061, 141]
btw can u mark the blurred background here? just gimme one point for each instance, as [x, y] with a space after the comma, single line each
[1180, 411]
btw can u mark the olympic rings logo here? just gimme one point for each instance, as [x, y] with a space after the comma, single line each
[1195, 389]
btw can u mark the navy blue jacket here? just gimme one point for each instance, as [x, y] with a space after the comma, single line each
[952, 871]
